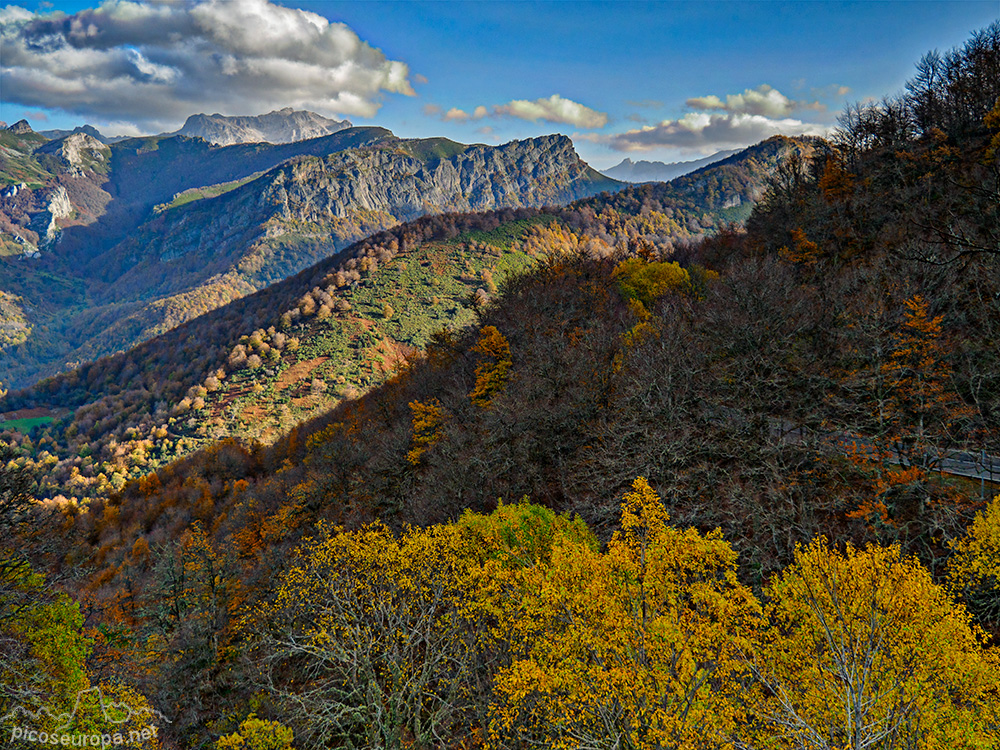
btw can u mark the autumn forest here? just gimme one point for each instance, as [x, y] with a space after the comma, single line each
[707, 464]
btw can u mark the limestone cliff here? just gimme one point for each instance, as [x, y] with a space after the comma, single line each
[79, 153]
[282, 126]
[531, 172]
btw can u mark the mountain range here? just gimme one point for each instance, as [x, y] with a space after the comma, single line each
[105, 245]
[258, 364]
[657, 171]
[281, 126]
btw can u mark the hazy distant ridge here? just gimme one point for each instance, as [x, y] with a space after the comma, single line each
[658, 171]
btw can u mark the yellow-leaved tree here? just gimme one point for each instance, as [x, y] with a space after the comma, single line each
[644, 282]
[974, 569]
[394, 639]
[863, 650]
[428, 428]
[257, 734]
[373, 626]
[637, 647]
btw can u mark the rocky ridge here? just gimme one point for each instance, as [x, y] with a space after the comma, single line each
[281, 126]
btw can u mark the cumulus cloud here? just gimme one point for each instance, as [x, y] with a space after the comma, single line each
[455, 115]
[155, 61]
[554, 109]
[763, 100]
[708, 132]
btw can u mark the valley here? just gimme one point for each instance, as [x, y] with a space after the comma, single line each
[459, 256]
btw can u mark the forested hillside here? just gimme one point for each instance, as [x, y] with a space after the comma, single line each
[657, 493]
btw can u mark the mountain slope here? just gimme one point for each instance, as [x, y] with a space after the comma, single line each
[427, 271]
[160, 230]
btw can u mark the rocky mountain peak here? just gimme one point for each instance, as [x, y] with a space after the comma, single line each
[86, 129]
[79, 150]
[281, 126]
[21, 127]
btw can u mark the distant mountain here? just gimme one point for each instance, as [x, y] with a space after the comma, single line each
[281, 126]
[86, 130]
[724, 192]
[658, 171]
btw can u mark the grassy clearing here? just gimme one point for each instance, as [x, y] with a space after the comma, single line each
[505, 235]
[210, 191]
[24, 425]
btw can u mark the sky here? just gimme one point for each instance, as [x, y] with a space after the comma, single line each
[666, 81]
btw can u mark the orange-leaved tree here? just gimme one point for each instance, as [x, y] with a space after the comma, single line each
[923, 408]
[494, 366]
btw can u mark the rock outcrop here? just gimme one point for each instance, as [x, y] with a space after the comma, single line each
[21, 127]
[80, 152]
[45, 223]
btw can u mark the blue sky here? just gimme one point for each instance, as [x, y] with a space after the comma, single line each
[663, 80]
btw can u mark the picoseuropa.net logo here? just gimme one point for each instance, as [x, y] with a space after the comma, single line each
[124, 725]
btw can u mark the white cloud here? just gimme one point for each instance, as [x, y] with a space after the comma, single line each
[709, 132]
[554, 109]
[155, 61]
[763, 100]
[455, 115]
